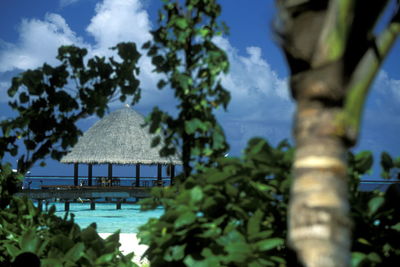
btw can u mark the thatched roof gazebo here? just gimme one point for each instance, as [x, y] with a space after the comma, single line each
[119, 138]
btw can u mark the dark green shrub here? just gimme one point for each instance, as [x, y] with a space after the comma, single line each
[228, 215]
[56, 241]
[46, 127]
[375, 214]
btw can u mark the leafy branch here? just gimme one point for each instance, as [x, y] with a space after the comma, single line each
[183, 49]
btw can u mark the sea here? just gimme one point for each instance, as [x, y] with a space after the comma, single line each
[108, 219]
[129, 218]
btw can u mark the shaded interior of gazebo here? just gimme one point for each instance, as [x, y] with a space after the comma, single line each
[119, 139]
[110, 179]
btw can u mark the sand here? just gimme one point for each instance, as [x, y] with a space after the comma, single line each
[130, 243]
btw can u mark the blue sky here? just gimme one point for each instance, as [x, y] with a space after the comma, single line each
[31, 32]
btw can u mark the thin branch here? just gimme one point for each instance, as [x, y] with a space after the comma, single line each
[363, 77]
[333, 39]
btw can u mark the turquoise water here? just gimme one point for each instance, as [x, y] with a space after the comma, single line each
[128, 219]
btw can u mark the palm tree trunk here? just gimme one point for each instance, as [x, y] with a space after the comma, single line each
[319, 228]
[333, 59]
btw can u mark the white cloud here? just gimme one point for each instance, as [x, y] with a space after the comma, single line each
[252, 83]
[114, 21]
[126, 21]
[388, 86]
[383, 102]
[260, 104]
[64, 3]
[119, 21]
[38, 43]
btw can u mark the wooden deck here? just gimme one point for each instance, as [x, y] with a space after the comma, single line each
[91, 194]
[66, 192]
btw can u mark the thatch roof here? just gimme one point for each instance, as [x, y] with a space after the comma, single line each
[118, 138]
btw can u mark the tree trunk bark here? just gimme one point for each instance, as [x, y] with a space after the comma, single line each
[319, 228]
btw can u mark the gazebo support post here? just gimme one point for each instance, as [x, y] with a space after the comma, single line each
[137, 184]
[90, 174]
[159, 175]
[110, 174]
[92, 204]
[172, 174]
[118, 206]
[66, 205]
[40, 204]
[76, 174]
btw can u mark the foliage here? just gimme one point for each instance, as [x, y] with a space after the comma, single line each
[183, 50]
[9, 184]
[375, 214]
[227, 215]
[56, 241]
[48, 110]
[334, 51]
[230, 215]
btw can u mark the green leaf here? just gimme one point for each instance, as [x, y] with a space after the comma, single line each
[218, 139]
[185, 218]
[253, 225]
[357, 259]
[51, 262]
[196, 194]
[181, 23]
[262, 186]
[12, 250]
[15, 84]
[161, 84]
[155, 141]
[127, 51]
[238, 251]
[194, 124]
[89, 234]
[386, 161]
[279, 259]
[175, 253]
[190, 261]
[76, 252]
[23, 97]
[146, 45]
[269, 244]
[114, 238]
[364, 241]
[374, 204]
[396, 227]
[216, 177]
[374, 257]
[204, 32]
[106, 258]
[29, 241]
[363, 162]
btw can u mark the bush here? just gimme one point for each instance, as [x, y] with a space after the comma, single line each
[375, 214]
[55, 241]
[231, 215]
